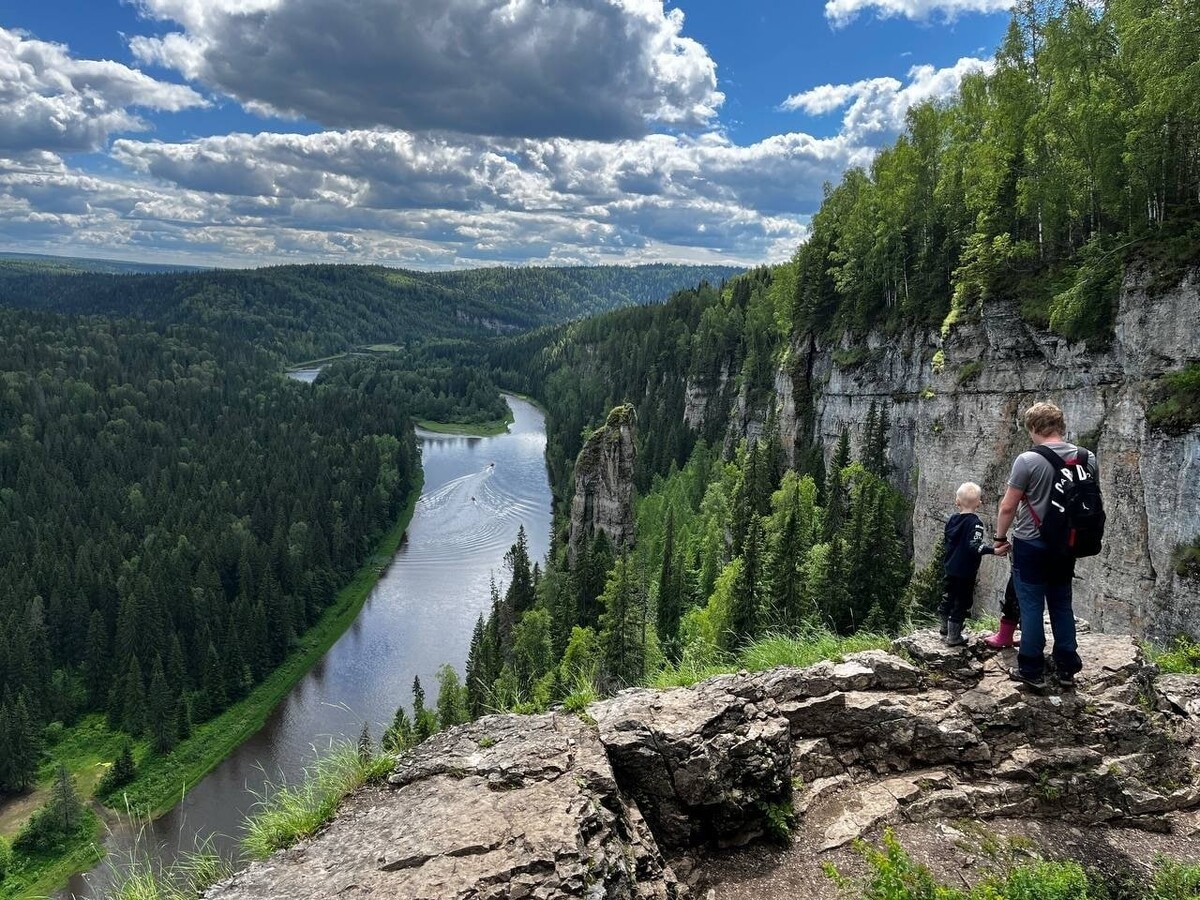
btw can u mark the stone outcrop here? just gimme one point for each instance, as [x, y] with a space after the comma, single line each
[649, 786]
[603, 500]
[956, 417]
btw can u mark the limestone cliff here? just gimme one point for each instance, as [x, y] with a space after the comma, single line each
[637, 799]
[603, 499]
[955, 417]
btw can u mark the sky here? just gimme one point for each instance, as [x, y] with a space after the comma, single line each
[436, 134]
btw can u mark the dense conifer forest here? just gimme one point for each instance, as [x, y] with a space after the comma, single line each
[306, 312]
[174, 513]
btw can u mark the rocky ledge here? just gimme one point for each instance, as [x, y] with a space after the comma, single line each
[645, 796]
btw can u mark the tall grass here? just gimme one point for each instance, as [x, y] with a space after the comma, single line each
[287, 813]
[802, 649]
[893, 875]
[186, 879]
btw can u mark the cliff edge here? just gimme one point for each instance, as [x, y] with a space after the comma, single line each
[689, 792]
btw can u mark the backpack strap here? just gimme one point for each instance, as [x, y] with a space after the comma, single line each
[1056, 463]
[1049, 456]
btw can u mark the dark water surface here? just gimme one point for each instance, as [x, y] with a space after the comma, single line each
[478, 491]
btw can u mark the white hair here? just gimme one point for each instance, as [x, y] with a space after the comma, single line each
[968, 492]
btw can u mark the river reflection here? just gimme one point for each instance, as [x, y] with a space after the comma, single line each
[478, 492]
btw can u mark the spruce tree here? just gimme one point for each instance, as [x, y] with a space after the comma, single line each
[475, 688]
[622, 626]
[161, 711]
[746, 612]
[424, 720]
[65, 802]
[96, 660]
[841, 453]
[520, 594]
[132, 699]
[399, 735]
[670, 594]
[869, 436]
[124, 770]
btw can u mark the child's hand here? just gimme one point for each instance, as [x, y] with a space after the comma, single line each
[1002, 548]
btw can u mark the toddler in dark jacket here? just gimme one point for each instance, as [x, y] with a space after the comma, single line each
[965, 546]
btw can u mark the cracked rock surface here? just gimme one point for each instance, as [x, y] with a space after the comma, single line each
[507, 807]
[548, 806]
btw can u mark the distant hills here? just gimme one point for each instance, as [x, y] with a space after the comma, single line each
[61, 264]
[309, 311]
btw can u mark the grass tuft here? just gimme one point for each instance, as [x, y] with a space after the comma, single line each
[288, 813]
[802, 649]
[186, 879]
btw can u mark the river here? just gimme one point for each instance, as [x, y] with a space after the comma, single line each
[478, 492]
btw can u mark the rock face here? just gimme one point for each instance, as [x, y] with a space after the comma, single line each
[551, 806]
[603, 499]
[961, 422]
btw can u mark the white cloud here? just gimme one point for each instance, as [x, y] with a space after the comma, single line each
[600, 69]
[51, 101]
[843, 12]
[876, 107]
[429, 201]
[828, 97]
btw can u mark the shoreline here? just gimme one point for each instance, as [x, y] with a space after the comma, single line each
[162, 781]
[161, 787]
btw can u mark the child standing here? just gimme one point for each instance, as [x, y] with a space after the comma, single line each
[964, 547]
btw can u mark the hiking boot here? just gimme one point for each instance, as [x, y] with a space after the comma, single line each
[954, 635]
[1033, 682]
[1065, 680]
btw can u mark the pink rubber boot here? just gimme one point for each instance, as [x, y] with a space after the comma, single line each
[1004, 637]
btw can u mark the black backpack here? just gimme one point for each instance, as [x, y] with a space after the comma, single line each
[1074, 523]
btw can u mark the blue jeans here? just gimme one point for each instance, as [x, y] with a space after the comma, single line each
[1042, 581]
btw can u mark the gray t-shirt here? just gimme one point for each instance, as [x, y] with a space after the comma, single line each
[1034, 475]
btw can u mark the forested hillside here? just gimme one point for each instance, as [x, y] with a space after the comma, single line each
[1079, 151]
[174, 514]
[305, 312]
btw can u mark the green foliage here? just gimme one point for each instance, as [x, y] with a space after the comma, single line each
[1176, 401]
[893, 875]
[122, 771]
[1085, 310]
[1174, 881]
[1187, 559]
[780, 819]
[212, 509]
[285, 813]
[452, 698]
[1182, 657]
[851, 357]
[312, 311]
[1075, 150]
[802, 649]
[5, 856]
[969, 372]
[62, 819]
[186, 878]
